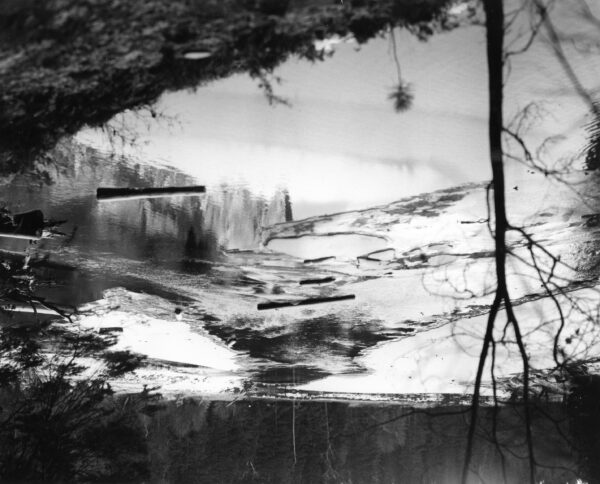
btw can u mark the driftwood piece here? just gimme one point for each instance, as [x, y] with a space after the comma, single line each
[110, 330]
[319, 259]
[321, 280]
[135, 193]
[303, 302]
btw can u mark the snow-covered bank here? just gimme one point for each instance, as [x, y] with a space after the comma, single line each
[155, 331]
[445, 359]
[180, 357]
[440, 281]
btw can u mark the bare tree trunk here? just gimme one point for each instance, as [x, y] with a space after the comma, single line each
[494, 10]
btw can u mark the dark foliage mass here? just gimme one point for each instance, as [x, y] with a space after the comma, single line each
[402, 97]
[334, 442]
[59, 419]
[584, 406]
[68, 63]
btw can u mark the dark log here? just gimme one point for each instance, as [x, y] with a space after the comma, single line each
[109, 330]
[131, 193]
[319, 259]
[303, 302]
[321, 280]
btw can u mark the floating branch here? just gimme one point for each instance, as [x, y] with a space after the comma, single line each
[319, 259]
[251, 280]
[382, 251]
[135, 193]
[303, 302]
[321, 280]
[110, 330]
[369, 257]
[480, 221]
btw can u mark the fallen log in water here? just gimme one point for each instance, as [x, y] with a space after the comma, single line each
[319, 259]
[322, 280]
[110, 330]
[303, 302]
[135, 193]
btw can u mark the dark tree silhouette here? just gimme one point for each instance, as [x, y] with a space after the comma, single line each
[494, 24]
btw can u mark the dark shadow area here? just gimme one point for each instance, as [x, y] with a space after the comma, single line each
[59, 418]
[80, 432]
[284, 441]
[583, 408]
[290, 374]
[314, 343]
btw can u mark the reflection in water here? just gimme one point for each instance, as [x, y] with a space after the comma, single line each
[315, 346]
[283, 441]
[176, 232]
